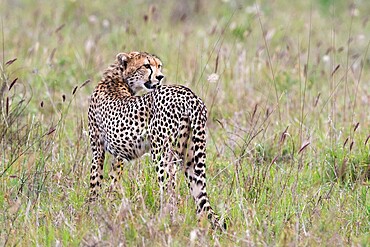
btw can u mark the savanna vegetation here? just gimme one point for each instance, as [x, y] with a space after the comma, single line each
[287, 85]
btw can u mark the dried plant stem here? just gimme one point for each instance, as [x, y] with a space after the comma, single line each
[358, 83]
[270, 63]
[346, 72]
[332, 89]
[303, 97]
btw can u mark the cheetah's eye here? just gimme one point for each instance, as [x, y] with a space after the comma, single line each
[159, 66]
[147, 66]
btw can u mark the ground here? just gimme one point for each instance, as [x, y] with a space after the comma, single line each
[287, 90]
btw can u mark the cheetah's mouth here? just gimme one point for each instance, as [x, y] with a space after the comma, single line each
[149, 85]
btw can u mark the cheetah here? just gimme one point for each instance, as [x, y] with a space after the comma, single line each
[166, 121]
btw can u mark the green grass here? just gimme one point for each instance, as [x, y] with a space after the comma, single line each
[288, 131]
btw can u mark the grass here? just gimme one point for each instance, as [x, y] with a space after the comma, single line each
[288, 130]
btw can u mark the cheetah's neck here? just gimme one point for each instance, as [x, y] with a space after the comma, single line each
[114, 83]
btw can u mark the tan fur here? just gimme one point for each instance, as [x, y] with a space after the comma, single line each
[169, 122]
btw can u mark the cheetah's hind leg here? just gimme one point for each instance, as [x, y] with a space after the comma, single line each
[195, 172]
[166, 169]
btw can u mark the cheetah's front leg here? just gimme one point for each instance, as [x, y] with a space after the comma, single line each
[96, 173]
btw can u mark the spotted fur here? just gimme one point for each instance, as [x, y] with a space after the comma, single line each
[168, 121]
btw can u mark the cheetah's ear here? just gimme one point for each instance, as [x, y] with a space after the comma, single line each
[122, 59]
[134, 53]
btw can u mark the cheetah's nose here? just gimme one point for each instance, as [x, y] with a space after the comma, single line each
[159, 77]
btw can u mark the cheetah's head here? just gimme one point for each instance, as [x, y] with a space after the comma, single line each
[140, 70]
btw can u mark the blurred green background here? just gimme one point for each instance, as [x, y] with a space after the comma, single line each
[287, 85]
